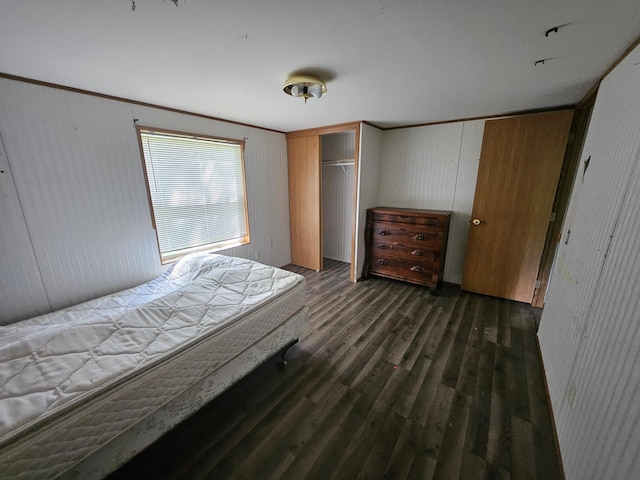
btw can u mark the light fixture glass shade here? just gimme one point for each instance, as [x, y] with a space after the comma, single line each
[305, 87]
[315, 90]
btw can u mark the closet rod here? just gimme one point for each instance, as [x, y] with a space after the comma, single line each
[338, 163]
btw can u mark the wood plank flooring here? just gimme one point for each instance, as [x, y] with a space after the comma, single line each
[390, 383]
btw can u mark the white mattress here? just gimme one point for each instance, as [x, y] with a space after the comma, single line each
[143, 433]
[67, 390]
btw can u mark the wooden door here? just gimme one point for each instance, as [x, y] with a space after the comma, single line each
[305, 209]
[520, 164]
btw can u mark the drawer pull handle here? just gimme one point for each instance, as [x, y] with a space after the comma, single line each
[381, 261]
[416, 268]
[418, 236]
[384, 233]
[417, 253]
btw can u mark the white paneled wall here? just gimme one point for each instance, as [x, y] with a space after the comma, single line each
[434, 167]
[82, 224]
[464, 194]
[590, 332]
[420, 166]
[81, 192]
[337, 195]
[337, 212]
[22, 292]
[339, 146]
[368, 181]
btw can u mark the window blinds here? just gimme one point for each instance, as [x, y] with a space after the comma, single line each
[197, 191]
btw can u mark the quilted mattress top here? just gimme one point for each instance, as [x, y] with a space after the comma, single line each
[52, 361]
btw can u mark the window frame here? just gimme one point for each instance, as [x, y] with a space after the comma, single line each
[211, 247]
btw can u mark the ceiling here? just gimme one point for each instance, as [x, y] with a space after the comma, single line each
[389, 62]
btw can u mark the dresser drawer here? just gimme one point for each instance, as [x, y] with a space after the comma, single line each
[404, 268]
[420, 253]
[411, 219]
[418, 236]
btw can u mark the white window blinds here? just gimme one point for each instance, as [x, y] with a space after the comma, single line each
[197, 191]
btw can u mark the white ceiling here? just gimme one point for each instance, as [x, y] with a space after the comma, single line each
[390, 62]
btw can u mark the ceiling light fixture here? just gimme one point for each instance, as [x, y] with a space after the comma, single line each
[305, 87]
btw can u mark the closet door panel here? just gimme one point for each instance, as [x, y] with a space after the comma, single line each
[305, 187]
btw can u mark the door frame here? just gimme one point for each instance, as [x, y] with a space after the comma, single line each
[340, 128]
[577, 135]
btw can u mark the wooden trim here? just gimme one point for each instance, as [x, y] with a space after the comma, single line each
[247, 227]
[146, 184]
[486, 117]
[371, 124]
[587, 102]
[339, 128]
[128, 100]
[354, 213]
[320, 203]
[590, 96]
[551, 414]
[561, 200]
[178, 133]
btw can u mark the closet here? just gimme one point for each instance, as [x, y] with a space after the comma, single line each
[323, 168]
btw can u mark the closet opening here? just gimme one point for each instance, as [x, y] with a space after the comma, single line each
[338, 187]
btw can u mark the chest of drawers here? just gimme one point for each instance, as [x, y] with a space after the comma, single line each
[406, 244]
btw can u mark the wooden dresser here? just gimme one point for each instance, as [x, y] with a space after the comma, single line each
[406, 244]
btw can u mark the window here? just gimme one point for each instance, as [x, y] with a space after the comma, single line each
[196, 189]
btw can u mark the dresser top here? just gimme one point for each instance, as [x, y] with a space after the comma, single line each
[409, 211]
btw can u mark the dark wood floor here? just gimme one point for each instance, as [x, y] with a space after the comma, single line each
[390, 383]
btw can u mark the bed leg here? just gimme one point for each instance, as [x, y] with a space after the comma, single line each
[283, 351]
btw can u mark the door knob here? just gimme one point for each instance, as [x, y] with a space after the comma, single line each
[476, 221]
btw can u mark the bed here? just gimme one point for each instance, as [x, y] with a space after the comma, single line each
[84, 389]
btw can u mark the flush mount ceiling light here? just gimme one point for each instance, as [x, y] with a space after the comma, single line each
[305, 86]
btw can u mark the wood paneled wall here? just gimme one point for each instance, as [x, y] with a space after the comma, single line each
[75, 220]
